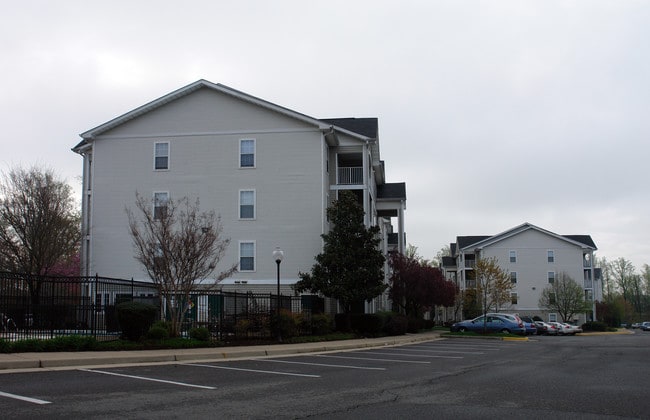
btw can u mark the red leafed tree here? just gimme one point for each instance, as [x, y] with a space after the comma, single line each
[416, 287]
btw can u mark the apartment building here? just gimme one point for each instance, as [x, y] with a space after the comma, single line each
[268, 171]
[534, 258]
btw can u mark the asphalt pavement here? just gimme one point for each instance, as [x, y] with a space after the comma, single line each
[13, 362]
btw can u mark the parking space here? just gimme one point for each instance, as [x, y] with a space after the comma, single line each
[226, 381]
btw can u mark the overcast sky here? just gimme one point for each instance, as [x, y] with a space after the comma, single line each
[494, 113]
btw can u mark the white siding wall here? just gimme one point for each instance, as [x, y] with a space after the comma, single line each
[204, 130]
[532, 265]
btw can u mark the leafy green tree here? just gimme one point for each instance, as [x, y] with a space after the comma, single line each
[350, 268]
[39, 224]
[565, 296]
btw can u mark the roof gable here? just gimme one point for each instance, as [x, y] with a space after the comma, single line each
[584, 241]
[358, 129]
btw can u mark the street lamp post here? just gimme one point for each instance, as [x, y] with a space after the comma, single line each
[277, 256]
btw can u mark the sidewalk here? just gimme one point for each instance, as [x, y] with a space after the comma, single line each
[14, 362]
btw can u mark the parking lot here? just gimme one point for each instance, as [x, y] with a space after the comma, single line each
[558, 377]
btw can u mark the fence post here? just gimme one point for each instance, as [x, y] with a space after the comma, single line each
[93, 303]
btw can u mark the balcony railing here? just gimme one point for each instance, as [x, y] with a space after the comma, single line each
[350, 176]
[470, 263]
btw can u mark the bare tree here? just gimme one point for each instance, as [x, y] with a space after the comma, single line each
[494, 283]
[39, 224]
[179, 248]
[623, 273]
[565, 296]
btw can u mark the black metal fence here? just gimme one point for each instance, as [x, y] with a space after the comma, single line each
[42, 307]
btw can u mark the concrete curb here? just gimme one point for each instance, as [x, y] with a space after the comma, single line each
[15, 362]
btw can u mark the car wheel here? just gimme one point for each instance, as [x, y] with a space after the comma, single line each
[505, 331]
[462, 329]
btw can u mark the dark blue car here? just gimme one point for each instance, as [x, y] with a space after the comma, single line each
[490, 323]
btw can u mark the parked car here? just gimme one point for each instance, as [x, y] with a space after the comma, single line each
[529, 324]
[645, 326]
[561, 328]
[636, 325]
[491, 323]
[573, 329]
[544, 328]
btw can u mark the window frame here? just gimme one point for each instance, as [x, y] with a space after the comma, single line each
[552, 317]
[155, 202]
[241, 153]
[254, 257]
[550, 277]
[550, 256]
[514, 298]
[513, 277]
[254, 205]
[155, 156]
[512, 254]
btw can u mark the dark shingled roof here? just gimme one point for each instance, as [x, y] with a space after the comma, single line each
[448, 261]
[392, 190]
[464, 241]
[583, 239]
[364, 126]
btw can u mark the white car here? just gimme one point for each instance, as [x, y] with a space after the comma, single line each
[645, 326]
[573, 329]
[562, 329]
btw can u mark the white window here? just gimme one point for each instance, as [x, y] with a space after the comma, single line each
[513, 256]
[247, 153]
[513, 298]
[513, 277]
[247, 204]
[552, 317]
[247, 256]
[550, 256]
[161, 156]
[160, 200]
[551, 277]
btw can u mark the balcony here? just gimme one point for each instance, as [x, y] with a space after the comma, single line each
[352, 175]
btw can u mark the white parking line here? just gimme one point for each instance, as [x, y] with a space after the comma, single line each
[20, 397]
[409, 355]
[440, 351]
[148, 379]
[253, 370]
[322, 364]
[373, 359]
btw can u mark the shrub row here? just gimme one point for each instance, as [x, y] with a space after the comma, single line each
[379, 324]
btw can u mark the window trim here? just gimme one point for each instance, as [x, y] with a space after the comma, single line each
[514, 298]
[552, 317]
[240, 154]
[154, 202]
[550, 256]
[239, 249]
[239, 207]
[513, 277]
[512, 259]
[155, 155]
[549, 277]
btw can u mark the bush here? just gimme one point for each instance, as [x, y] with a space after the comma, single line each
[158, 332]
[367, 324]
[594, 326]
[287, 325]
[135, 318]
[396, 324]
[201, 334]
[414, 325]
[321, 324]
[242, 327]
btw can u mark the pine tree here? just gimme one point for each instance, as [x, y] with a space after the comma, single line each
[350, 268]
